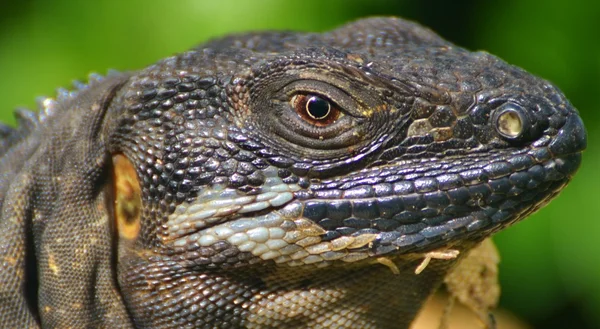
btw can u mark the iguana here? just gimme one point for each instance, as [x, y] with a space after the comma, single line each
[275, 180]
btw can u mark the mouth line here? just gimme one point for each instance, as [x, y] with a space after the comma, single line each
[414, 220]
[571, 138]
[411, 217]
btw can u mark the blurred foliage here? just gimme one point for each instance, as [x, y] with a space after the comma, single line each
[551, 262]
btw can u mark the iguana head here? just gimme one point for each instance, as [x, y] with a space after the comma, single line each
[269, 164]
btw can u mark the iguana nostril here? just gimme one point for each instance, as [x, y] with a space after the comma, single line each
[511, 121]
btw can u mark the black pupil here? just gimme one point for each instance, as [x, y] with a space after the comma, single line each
[317, 107]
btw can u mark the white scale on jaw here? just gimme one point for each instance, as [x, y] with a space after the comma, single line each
[217, 204]
[282, 235]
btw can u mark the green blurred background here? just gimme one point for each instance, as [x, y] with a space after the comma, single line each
[550, 268]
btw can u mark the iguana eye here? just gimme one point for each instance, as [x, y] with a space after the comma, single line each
[315, 109]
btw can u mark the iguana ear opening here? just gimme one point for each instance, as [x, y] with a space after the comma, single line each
[127, 198]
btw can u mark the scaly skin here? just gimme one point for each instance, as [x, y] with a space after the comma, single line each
[273, 180]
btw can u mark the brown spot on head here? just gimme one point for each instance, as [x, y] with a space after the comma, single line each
[442, 134]
[355, 58]
[12, 261]
[52, 264]
[127, 197]
[368, 112]
[419, 127]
